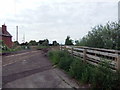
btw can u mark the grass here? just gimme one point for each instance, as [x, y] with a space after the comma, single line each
[5, 49]
[14, 49]
[9, 50]
[56, 55]
[42, 47]
[99, 77]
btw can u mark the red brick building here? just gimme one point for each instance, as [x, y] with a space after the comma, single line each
[5, 36]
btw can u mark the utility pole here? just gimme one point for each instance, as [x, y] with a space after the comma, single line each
[16, 33]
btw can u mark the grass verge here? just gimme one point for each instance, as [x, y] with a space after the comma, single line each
[42, 47]
[98, 77]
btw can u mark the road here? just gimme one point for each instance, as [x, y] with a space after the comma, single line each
[33, 69]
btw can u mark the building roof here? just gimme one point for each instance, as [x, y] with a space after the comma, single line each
[4, 33]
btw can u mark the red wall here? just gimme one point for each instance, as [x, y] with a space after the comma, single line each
[0, 37]
[7, 41]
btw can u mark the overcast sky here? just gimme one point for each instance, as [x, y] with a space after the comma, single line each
[55, 19]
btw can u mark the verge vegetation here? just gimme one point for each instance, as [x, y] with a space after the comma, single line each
[5, 49]
[42, 47]
[99, 77]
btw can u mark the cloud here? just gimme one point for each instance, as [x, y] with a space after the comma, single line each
[56, 20]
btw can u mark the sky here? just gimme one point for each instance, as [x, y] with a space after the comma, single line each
[55, 19]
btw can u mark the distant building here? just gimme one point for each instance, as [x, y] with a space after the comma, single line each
[5, 36]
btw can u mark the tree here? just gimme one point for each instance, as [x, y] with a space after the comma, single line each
[40, 42]
[68, 41]
[24, 44]
[103, 36]
[55, 43]
[16, 42]
[77, 42]
[46, 42]
[33, 42]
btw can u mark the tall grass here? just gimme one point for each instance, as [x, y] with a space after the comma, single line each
[55, 56]
[99, 77]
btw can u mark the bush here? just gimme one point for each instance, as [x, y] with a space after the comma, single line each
[116, 80]
[76, 69]
[80, 71]
[65, 62]
[103, 76]
[86, 74]
[55, 56]
[61, 58]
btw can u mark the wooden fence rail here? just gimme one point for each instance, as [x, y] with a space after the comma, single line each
[95, 55]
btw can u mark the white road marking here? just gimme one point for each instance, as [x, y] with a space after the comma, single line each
[23, 61]
[9, 63]
[17, 61]
[20, 54]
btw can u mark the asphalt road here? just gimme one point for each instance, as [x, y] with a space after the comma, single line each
[33, 69]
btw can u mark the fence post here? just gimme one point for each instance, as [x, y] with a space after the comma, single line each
[84, 54]
[72, 51]
[118, 62]
[64, 47]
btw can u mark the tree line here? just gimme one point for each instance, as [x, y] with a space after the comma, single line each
[101, 36]
[44, 42]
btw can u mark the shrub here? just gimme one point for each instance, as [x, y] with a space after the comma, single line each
[61, 58]
[76, 69]
[55, 56]
[80, 71]
[50, 54]
[65, 62]
[103, 76]
[86, 74]
[116, 81]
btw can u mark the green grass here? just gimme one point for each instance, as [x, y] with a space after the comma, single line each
[5, 49]
[42, 47]
[55, 56]
[99, 77]
[13, 49]
[9, 50]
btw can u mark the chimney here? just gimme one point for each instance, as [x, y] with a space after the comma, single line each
[4, 27]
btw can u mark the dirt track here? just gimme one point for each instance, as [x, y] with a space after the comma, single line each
[33, 69]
